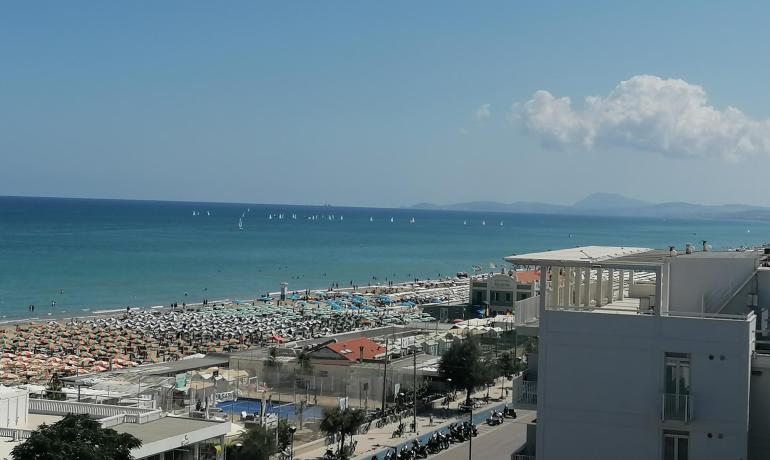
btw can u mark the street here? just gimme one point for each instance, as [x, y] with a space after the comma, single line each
[492, 443]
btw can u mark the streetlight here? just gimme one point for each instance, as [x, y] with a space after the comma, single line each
[292, 430]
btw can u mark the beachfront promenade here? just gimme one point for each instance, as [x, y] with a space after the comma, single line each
[379, 440]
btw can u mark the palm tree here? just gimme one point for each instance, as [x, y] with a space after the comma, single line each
[256, 443]
[342, 422]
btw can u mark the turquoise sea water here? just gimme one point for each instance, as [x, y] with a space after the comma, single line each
[103, 254]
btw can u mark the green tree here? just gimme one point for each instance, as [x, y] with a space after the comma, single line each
[505, 365]
[305, 363]
[256, 443]
[76, 437]
[342, 422]
[284, 434]
[272, 357]
[464, 365]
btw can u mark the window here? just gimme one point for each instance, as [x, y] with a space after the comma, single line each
[507, 296]
[675, 445]
[677, 403]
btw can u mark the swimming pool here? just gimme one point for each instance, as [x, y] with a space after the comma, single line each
[285, 411]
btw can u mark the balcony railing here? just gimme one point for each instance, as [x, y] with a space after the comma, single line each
[677, 407]
[524, 391]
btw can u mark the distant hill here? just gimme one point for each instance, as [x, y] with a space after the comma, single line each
[612, 204]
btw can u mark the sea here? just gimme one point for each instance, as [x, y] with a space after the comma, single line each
[72, 257]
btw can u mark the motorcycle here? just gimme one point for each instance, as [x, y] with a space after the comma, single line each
[495, 419]
[509, 412]
[419, 450]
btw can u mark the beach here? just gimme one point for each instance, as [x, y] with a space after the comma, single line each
[34, 350]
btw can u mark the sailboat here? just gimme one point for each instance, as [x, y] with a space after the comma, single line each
[483, 222]
[411, 221]
[342, 218]
[371, 219]
[501, 223]
[240, 223]
[208, 213]
[465, 222]
[391, 220]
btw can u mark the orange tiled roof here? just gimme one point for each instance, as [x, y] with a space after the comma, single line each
[350, 349]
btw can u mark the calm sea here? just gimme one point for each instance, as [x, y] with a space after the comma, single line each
[103, 254]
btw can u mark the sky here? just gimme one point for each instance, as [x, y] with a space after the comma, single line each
[385, 103]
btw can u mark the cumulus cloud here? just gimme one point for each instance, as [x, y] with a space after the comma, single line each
[483, 112]
[668, 116]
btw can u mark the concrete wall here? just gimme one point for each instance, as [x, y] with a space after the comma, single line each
[759, 413]
[601, 377]
[698, 280]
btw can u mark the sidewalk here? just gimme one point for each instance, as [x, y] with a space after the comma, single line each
[378, 439]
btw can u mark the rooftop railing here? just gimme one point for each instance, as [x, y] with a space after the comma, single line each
[16, 434]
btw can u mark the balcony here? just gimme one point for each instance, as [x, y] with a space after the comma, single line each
[524, 391]
[676, 407]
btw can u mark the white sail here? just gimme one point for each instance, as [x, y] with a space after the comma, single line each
[240, 223]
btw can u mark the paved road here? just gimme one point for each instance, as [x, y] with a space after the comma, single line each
[492, 442]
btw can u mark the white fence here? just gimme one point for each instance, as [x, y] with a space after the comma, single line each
[527, 311]
[524, 391]
[52, 407]
[16, 434]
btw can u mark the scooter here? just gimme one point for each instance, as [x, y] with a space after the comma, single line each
[509, 412]
[495, 419]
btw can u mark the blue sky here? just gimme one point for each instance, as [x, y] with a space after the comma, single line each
[375, 103]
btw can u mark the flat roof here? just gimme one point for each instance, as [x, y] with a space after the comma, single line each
[619, 255]
[583, 255]
[163, 428]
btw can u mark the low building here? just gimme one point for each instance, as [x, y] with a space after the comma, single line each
[163, 437]
[348, 352]
[499, 292]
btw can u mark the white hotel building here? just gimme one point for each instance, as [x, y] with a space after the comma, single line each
[646, 354]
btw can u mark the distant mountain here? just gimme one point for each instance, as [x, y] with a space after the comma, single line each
[612, 204]
[606, 201]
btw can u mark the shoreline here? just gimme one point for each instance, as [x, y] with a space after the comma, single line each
[107, 312]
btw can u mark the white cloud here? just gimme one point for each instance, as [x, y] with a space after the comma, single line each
[646, 112]
[483, 112]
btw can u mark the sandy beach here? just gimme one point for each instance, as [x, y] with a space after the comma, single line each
[35, 349]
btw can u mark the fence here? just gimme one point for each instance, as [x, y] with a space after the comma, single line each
[524, 391]
[52, 407]
[16, 434]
